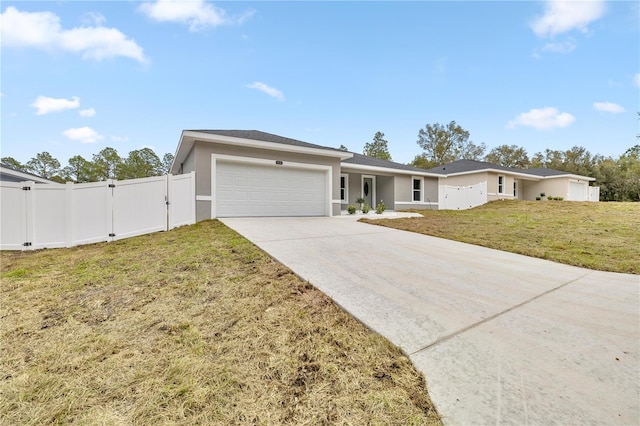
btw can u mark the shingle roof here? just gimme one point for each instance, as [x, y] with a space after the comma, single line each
[462, 166]
[543, 171]
[8, 177]
[377, 162]
[263, 136]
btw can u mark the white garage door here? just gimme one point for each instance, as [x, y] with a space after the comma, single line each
[247, 189]
[577, 191]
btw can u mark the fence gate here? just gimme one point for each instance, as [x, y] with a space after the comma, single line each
[462, 197]
[52, 215]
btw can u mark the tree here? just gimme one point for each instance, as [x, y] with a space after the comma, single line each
[421, 161]
[45, 165]
[508, 156]
[444, 144]
[576, 160]
[106, 163]
[377, 148]
[167, 161]
[343, 148]
[80, 170]
[12, 162]
[140, 163]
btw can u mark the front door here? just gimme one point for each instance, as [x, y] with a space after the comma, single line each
[367, 190]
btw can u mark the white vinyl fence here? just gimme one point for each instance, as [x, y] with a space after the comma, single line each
[462, 197]
[52, 215]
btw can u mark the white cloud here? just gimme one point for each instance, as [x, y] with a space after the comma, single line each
[83, 134]
[562, 16]
[608, 107]
[89, 112]
[543, 118]
[636, 79]
[562, 47]
[197, 14]
[42, 30]
[119, 138]
[45, 105]
[567, 46]
[93, 18]
[271, 91]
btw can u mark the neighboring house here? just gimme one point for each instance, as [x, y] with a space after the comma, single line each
[9, 174]
[468, 183]
[252, 173]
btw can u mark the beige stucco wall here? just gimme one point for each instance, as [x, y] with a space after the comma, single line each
[404, 193]
[554, 187]
[199, 159]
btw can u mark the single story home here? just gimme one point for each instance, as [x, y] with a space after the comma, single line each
[9, 174]
[252, 173]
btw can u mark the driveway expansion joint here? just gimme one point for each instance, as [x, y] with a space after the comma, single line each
[496, 315]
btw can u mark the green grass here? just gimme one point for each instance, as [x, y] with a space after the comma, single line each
[191, 326]
[600, 236]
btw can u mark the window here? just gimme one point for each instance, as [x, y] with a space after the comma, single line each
[515, 189]
[500, 184]
[344, 188]
[417, 189]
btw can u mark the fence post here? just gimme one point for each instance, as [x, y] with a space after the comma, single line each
[28, 210]
[109, 204]
[71, 215]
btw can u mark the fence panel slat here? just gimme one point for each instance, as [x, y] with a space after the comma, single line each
[182, 193]
[139, 206]
[13, 216]
[49, 209]
[91, 218]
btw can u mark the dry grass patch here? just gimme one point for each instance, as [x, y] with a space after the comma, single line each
[191, 326]
[600, 236]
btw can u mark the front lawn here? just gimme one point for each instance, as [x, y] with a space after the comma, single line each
[601, 236]
[191, 326]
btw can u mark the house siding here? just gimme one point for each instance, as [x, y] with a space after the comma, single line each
[404, 193]
[385, 191]
[202, 151]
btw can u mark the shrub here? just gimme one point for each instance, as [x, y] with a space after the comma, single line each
[559, 198]
[550, 198]
[351, 209]
[542, 194]
[380, 207]
[365, 208]
[538, 198]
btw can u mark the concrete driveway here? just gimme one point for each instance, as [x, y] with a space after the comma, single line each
[501, 338]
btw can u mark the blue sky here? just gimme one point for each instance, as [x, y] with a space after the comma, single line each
[80, 76]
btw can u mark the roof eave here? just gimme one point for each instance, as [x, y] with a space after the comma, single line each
[28, 177]
[520, 174]
[390, 170]
[570, 176]
[189, 137]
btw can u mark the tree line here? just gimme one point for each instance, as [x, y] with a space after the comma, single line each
[107, 164]
[618, 178]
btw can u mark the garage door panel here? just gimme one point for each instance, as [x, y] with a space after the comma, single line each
[266, 190]
[577, 191]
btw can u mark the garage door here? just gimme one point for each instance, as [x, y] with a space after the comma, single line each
[249, 189]
[577, 191]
